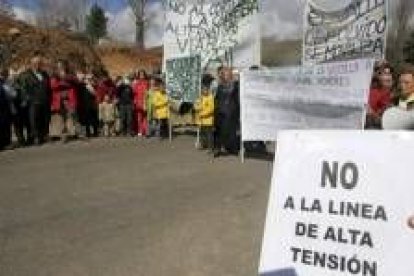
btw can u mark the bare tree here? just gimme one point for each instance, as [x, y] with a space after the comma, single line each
[53, 12]
[138, 9]
[6, 8]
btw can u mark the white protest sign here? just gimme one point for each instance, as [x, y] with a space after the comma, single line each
[396, 118]
[340, 204]
[347, 29]
[216, 30]
[326, 96]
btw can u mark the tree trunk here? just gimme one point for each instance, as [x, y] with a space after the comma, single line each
[139, 34]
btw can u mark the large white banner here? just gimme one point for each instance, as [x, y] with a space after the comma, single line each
[326, 96]
[341, 203]
[346, 29]
[219, 31]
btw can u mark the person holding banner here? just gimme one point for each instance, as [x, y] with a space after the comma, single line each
[227, 114]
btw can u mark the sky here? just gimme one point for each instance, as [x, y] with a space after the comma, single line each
[281, 19]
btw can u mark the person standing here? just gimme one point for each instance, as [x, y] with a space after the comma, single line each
[407, 88]
[36, 84]
[87, 106]
[21, 120]
[140, 87]
[125, 106]
[64, 103]
[204, 108]
[161, 108]
[107, 116]
[227, 114]
[149, 109]
[105, 86]
[401, 117]
[5, 112]
[380, 97]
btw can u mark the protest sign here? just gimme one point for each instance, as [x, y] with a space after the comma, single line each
[340, 204]
[326, 96]
[219, 31]
[184, 78]
[397, 118]
[357, 30]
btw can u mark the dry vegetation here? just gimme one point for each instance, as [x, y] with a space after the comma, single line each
[20, 42]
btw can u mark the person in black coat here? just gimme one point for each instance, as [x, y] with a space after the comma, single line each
[21, 120]
[87, 106]
[5, 113]
[227, 114]
[125, 96]
[36, 84]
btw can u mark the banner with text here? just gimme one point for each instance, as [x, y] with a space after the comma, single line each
[326, 96]
[220, 31]
[183, 78]
[337, 217]
[357, 30]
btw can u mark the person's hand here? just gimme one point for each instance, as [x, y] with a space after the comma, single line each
[411, 222]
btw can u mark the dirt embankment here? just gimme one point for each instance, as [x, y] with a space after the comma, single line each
[19, 42]
[121, 59]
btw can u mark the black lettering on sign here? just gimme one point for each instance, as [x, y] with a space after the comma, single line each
[348, 175]
[351, 33]
[212, 28]
[289, 204]
[306, 230]
[334, 262]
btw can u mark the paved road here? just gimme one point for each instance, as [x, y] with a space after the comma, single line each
[122, 207]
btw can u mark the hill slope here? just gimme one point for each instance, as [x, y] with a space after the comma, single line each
[19, 42]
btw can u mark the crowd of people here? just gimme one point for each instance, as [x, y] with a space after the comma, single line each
[40, 104]
[43, 103]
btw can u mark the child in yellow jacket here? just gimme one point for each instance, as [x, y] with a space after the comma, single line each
[204, 108]
[161, 108]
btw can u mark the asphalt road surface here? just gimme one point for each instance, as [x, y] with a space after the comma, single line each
[127, 207]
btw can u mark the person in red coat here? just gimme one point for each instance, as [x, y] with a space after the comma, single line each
[63, 103]
[104, 87]
[140, 87]
[380, 97]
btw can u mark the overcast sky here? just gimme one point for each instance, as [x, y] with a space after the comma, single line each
[281, 19]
